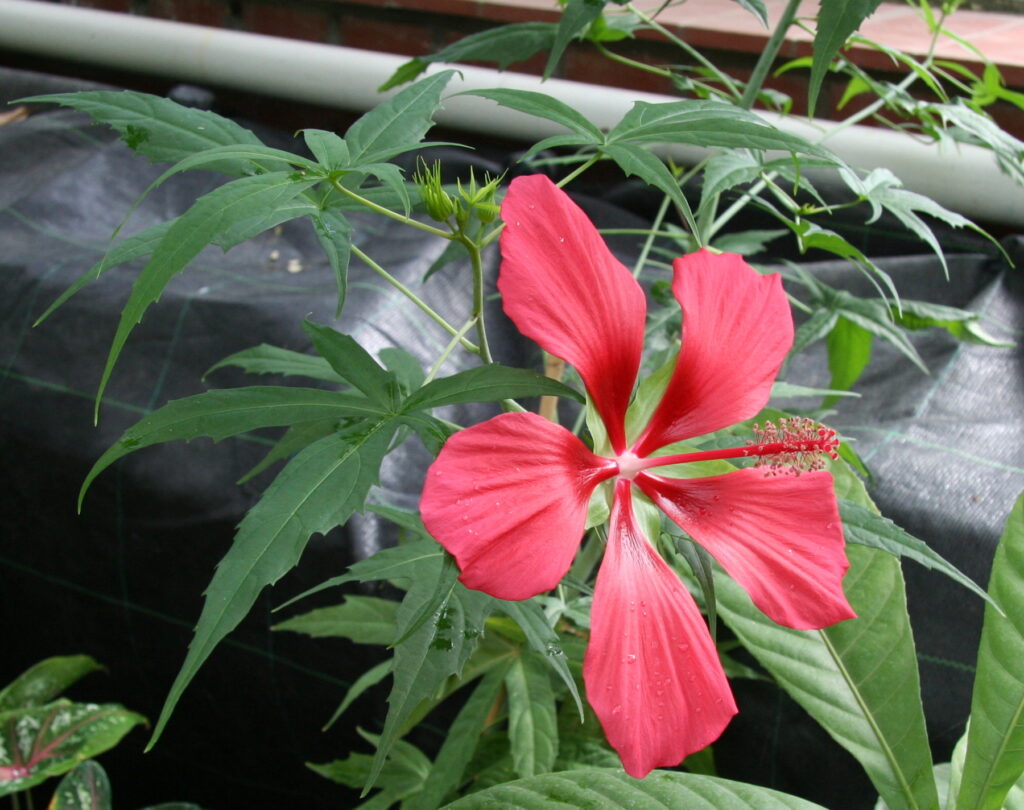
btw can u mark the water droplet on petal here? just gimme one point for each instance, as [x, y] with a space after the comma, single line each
[629, 659]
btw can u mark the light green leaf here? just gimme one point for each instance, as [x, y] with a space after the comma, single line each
[362, 619]
[544, 106]
[293, 440]
[961, 324]
[489, 383]
[45, 681]
[858, 678]
[156, 127]
[371, 677]
[266, 359]
[229, 412]
[849, 352]
[334, 232]
[397, 125]
[995, 740]
[577, 15]
[329, 149]
[227, 215]
[43, 741]
[836, 22]
[602, 788]
[532, 719]
[320, 488]
[84, 788]
[757, 8]
[635, 160]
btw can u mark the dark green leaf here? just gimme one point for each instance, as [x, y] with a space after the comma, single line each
[354, 364]
[996, 736]
[156, 127]
[329, 149]
[266, 359]
[44, 681]
[402, 775]
[602, 788]
[222, 413]
[397, 125]
[504, 45]
[43, 741]
[836, 22]
[757, 8]
[961, 324]
[362, 619]
[818, 326]
[532, 719]
[320, 488]
[294, 439]
[85, 788]
[544, 106]
[577, 15]
[334, 232]
[849, 352]
[405, 366]
[861, 525]
[489, 383]
[371, 677]
[635, 160]
[227, 215]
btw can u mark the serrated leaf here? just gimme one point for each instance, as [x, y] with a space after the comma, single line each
[504, 45]
[397, 125]
[227, 215]
[849, 352]
[785, 390]
[543, 639]
[362, 619]
[405, 366]
[836, 22]
[354, 364]
[44, 681]
[993, 761]
[266, 359]
[371, 677]
[757, 8]
[532, 719]
[328, 148]
[334, 232]
[544, 106]
[601, 788]
[84, 788]
[489, 383]
[961, 324]
[577, 16]
[295, 438]
[43, 741]
[229, 412]
[403, 773]
[127, 250]
[863, 526]
[818, 326]
[156, 127]
[635, 160]
[460, 742]
[706, 123]
[320, 488]
[858, 678]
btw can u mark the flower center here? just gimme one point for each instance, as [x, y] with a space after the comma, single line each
[790, 446]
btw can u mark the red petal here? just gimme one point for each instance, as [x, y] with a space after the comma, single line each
[737, 328]
[779, 537]
[652, 672]
[508, 498]
[564, 289]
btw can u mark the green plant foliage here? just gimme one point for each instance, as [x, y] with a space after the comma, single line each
[993, 761]
[836, 22]
[45, 681]
[362, 619]
[601, 788]
[87, 787]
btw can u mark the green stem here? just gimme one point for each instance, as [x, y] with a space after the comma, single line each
[419, 302]
[578, 171]
[478, 316]
[771, 50]
[633, 63]
[380, 209]
[649, 241]
[436, 368]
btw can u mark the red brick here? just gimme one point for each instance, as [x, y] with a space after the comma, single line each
[306, 22]
[105, 5]
[358, 30]
[201, 12]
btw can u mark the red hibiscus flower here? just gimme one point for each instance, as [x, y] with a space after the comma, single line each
[508, 497]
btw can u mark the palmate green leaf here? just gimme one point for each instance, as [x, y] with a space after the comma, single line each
[227, 215]
[156, 127]
[862, 525]
[127, 250]
[818, 326]
[460, 741]
[836, 22]
[544, 106]
[504, 45]
[438, 649]
[362, 619]
[601, 788]
[354, 364]
[44, 681]
[334, 232]
[43, 741]
[402, 775]
[320, 488]
[995, 741]
[577, 15]
[849, 352]
[397, 125]
[858, 678]
[489, 383]
[757, 8]
[810, 236]
[229, 412]
[329, 149]
[532, 717]
[266, 359]
[294, 439]
[85, 788]
[371, 677]
[961, 324]
[707, 123]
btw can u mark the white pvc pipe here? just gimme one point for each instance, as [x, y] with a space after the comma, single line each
[965, 179]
